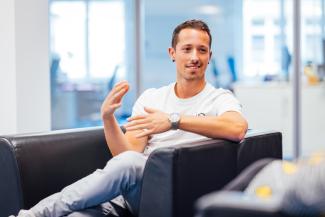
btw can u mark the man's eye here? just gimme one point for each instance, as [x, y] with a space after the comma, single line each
[186, 49]
[202, 50]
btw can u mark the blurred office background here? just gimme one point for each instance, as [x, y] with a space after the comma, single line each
[93, 44]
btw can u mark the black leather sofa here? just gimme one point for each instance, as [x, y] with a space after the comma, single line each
[33, 166]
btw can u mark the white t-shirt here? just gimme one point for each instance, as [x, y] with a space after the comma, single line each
[209, 102]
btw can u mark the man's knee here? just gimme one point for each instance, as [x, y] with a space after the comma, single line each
[129, 161]
[132, 158]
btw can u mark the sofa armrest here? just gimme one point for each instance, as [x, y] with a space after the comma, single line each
[258, 145]
[33, 166]
[176, 176]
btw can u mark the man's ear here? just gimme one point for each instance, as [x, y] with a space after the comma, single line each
[171, 52]
[210, 55]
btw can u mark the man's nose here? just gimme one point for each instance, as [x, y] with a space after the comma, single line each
[194, 56]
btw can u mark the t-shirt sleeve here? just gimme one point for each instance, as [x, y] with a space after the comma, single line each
[227, 102]
[141, 102]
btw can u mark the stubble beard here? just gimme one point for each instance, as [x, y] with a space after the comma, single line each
[193, 76]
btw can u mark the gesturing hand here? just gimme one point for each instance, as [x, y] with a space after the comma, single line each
[114, 99]
[154, 122]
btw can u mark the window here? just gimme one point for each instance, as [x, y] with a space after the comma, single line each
[88, 56]
[311, 31]
[260, 31]
[277, 48]
[106, 38]
[258, 22]
[276, 32]
[67, 43]
[258, 48]
[89, 37]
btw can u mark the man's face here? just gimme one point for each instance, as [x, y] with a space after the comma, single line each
[192, 54]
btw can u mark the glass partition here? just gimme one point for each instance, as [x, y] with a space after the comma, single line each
[266, 86]
[313, 86]
[224, 19]
[92, 48]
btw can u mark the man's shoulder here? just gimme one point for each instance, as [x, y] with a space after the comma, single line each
[155, 91]
[217, 90]
[151, 96]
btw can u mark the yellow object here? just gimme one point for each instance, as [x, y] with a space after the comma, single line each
[316, 158]
[311, 75]
[289, 168]
[263, 191]
[312, 80]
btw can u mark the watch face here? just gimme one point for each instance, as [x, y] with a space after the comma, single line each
[174, 117]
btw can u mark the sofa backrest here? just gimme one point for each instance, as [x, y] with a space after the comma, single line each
[33, 166]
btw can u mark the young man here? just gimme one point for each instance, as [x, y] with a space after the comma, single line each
[189, 110]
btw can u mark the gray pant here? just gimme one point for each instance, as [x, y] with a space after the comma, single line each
[122, 175]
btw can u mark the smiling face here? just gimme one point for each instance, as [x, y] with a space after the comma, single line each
[191, 54]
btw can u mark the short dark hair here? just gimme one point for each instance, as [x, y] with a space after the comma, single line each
[190, 24]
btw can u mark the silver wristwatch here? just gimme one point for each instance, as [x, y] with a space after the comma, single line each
[174, 119]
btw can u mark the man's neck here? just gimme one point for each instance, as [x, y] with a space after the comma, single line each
[187, 89]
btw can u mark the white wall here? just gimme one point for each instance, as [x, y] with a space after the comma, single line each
[7, 67]
[24, 66]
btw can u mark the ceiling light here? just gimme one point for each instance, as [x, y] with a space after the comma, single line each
[209, 9]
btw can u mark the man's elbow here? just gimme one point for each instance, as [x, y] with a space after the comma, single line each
[240, 132]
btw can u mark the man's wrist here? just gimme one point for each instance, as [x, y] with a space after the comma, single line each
[174, 119]
[108, 117]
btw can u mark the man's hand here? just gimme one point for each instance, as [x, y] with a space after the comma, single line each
[152, 123]
[114, 99]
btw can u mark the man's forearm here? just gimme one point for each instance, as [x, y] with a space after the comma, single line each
[114, 136]
[224, 127]
[229, 125]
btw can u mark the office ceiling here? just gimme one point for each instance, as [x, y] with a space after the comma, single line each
[174, 7]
